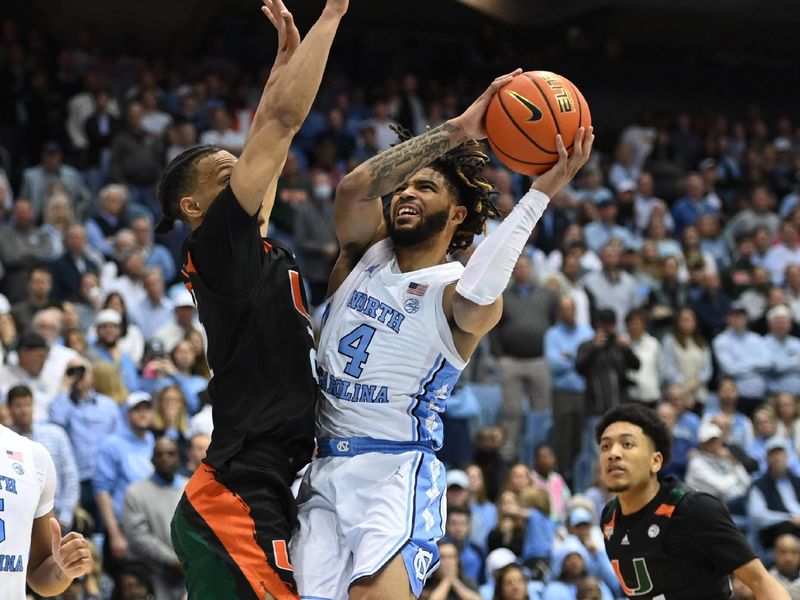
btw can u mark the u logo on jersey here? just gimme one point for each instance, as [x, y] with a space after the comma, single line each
[644, 583]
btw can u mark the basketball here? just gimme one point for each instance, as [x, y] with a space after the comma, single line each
[525, 116]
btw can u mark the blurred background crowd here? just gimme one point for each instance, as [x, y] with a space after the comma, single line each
[667, 274]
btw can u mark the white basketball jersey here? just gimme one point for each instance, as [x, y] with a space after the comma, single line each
[387, 362]
[27, 489]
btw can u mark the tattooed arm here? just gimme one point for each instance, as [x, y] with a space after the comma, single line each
[358, 212]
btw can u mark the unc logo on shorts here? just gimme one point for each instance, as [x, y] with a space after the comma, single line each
[411, 305]
[422, 560]
[343, 446]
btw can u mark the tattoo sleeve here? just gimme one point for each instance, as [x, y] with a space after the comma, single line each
[392, 167]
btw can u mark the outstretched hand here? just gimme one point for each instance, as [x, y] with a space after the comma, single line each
[71, 553]
[551, 181]
[288, 35]
[471, 121]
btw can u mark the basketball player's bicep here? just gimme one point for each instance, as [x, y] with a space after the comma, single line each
[473, 319]
[358, 219]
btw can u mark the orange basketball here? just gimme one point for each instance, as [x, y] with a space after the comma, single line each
[524, 117]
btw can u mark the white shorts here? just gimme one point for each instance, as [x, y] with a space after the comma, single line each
[357, 513]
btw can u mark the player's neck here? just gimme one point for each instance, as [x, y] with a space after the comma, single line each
[635, 500]
[420, 257]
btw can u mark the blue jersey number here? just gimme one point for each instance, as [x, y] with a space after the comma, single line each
[354, 346]
[2, 524]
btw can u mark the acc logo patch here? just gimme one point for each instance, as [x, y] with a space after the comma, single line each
[18, 469]
[653, 531]
[411, 305]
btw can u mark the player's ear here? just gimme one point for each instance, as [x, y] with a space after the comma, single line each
[657, 462]
[458, 214]
[190, 207]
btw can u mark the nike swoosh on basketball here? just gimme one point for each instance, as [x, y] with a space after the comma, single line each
[536, 113]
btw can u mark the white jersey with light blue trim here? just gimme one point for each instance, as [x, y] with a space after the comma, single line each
[27, 492]
[387, 361]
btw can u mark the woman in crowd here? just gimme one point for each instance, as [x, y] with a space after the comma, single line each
[108, 381]
[448, 582]
[511, 522]
[686, 357]
[131, 341]
[788, 419]
[170, 417]
[484, 513]
[511, 584]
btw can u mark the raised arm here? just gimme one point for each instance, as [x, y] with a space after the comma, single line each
[358, 212]
[475, 301]
[285, 102]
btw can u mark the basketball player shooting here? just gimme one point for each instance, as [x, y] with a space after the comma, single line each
[232, 525]
[397, 331]
[666, 541]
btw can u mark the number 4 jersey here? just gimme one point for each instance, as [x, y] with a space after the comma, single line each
[27, 490]
[387, 362]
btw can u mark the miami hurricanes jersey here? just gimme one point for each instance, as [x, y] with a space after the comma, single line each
[387, 362]
[27, 491]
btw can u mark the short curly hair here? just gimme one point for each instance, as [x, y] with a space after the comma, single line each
[462, 167]
[646, 418]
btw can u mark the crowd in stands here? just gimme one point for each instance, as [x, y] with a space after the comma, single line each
[668, 274]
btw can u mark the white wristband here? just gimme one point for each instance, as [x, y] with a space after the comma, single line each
[489, 268]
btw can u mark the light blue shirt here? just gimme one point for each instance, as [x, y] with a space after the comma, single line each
[123, 459]
[560, 347]
[150, 317]
[598, 234]
[761, 516]
[160, 257]
[745, 357]
[87, 423]
[130, 376]
[785, 373]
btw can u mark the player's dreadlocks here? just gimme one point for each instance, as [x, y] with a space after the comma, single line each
[461, 168]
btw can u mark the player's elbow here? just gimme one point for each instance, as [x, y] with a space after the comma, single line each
[353, 186]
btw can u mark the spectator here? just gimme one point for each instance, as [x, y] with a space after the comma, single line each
[529, 309]
[785, 253]
[181, 137]
[110, 217]
[72, 264]
[170, 417]
[788, 425]
[123, 458]
[52, 437]
[129, 281]
[131, 341]
[604, 362]
[540, 531]
[570, 284]
[686, 357]
[765, 427]
[8, 329]
[687, 210]
[156, 310]
[448, 582]
[712, 306]
[646, 380]
[604, 229]
[38, 181]
[154, 120]
[757, 214]
[668, 296]
[589, 588]
[645, 201]
[88, 418]
[684, 430]
[136, 160]
[511, 523]
[714, 470]
[612, 288]
[109, 331]
[738, 275]
[48, 323]
[511, 584]
[457, 533]
[774, 501]
[592, 189]
[561, 342]
[786, 556]
[581, 526]
[40, 288]
[569, 567]
[108, 381]
[755, 297]
[546, 477]
[743, 356]
[462, 408]
[222, 134]
[146, 515]
[792, 284]
[198, 446]
[57, 217]
[155, 255]
[32, 351]
[184, 323]
[315, 236]
[710, 242]
[784, 350]
[101, 128]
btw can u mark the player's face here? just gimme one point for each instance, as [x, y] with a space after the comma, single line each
[628, 459]
[423, 208]
[213, 174]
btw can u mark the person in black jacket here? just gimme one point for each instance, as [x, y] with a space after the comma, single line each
[603, 361]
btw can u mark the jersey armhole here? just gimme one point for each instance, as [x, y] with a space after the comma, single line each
[449, 350]
[380, 252]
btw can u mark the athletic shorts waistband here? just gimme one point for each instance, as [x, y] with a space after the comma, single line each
[362, 445]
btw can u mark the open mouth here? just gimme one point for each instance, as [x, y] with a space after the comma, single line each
[406, 210]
